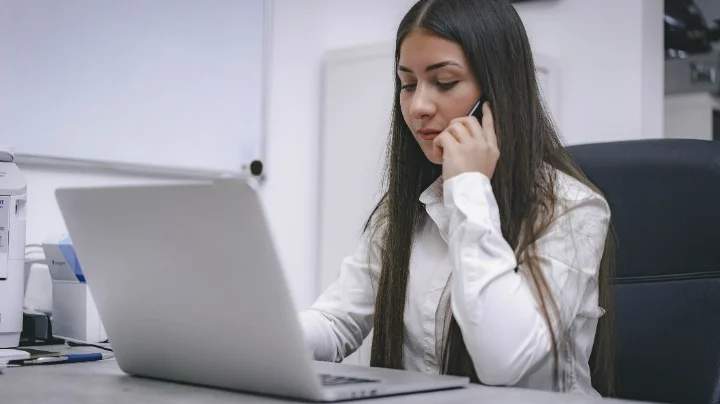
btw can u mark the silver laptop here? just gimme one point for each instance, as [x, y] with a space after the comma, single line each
[190, 289]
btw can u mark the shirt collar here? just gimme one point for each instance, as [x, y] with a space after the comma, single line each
[432, 197]
[433, 194]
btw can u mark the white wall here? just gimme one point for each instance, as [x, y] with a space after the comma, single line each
[304, 30]
[690, 115]
[610, 54]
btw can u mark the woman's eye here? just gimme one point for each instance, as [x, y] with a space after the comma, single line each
[446, 85]
[408, 87]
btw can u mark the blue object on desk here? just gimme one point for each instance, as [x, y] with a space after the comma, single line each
[56, 360]
[66, 247]
[84, 357]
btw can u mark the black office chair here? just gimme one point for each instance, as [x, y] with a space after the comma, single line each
[665, 200]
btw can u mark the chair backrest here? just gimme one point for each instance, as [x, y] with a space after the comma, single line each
[664, 195]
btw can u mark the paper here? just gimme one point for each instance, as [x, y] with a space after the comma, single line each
[7, 355]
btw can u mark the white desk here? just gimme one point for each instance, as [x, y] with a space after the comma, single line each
[104, 382]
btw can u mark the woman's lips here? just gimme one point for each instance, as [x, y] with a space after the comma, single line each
[428, 134]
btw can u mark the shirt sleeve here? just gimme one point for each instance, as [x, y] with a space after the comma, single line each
[494, 305]
[340, 319]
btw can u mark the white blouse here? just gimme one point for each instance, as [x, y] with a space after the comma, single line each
[500, 319]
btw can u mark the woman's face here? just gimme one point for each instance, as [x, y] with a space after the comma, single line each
[437, 86]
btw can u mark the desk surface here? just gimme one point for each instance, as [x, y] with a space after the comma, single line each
[93, 382]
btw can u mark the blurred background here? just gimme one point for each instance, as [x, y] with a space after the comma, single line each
[100, 92]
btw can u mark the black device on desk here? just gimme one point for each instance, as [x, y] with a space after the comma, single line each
[37, 330]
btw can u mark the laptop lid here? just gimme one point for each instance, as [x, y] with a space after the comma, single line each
[172, 267]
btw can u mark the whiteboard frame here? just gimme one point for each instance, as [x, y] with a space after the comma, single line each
[179, 171]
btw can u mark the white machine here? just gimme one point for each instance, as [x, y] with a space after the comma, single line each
[189, 286]
[13, 196]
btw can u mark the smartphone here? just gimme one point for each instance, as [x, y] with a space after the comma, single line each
[476, 111]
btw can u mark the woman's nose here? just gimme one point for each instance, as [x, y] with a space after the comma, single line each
[422, 105]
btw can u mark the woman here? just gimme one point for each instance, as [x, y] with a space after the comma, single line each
[489, 254]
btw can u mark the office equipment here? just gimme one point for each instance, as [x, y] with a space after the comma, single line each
[13, 198]
[102, 381]
[61, 359]
[75, 315]
[691, 63]
[61, 258]
[686, 29]
[664, 198]
[156, 259]
[36, 329]
[164, 84]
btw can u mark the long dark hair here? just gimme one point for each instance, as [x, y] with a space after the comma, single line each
[497, 48]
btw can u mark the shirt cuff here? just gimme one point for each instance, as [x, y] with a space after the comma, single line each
[471, 195]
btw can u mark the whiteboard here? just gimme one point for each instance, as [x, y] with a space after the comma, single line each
[158, 83]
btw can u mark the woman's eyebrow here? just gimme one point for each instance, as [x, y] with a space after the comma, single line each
[432, 67]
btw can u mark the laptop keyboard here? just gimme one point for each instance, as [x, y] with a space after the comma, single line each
[330, 380]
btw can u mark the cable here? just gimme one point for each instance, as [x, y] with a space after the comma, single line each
[73, 342]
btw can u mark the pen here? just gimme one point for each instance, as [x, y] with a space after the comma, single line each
[70, 358]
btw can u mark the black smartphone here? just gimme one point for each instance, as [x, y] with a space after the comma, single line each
[476, 111]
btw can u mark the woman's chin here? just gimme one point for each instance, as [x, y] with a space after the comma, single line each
[432, 157]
